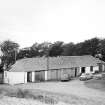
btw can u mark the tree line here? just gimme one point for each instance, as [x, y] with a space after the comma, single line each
[12, 52]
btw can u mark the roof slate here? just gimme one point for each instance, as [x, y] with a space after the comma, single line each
[43, 63]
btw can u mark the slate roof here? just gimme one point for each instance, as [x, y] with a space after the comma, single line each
[41, 63]
[73, 61]
[29, 64]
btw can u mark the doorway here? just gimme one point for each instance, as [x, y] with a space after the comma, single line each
[83, 70]
[75, 72]
[39, 76]
[29, 76]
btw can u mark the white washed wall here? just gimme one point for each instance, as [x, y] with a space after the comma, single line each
[95, 68]
[103, 67]
[87, 70]
[15, 77]
[80, 70]
[6, 77]
[46, 76]
[25, 77]
[33, 76]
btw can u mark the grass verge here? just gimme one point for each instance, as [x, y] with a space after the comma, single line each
[27, 94]
[96, 84]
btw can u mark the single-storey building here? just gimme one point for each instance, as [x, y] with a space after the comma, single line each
[51, 68]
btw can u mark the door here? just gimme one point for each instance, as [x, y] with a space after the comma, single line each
[59, 74]
[29, 76]
[54, 74]
[39, 76]
[100, 67]
[75, 72]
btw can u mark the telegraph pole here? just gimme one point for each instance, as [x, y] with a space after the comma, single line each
[47, 60]
[15, 54]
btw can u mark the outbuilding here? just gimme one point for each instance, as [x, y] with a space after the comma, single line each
[51, 68]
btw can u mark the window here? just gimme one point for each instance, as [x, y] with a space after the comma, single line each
[91, 68]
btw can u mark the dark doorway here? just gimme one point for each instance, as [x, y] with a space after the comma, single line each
[75, 72]
[1, 77]
[100, 67]
[1, 74]
[83, 70]
[29, 77]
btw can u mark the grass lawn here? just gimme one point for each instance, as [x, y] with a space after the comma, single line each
[11, 91]
[48, 98]
[96, 84]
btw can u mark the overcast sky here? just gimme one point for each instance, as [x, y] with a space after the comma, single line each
[30, 21]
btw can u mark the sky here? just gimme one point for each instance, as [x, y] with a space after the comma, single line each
[30, 21]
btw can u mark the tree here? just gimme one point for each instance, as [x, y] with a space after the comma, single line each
[56, 49]
[88, 47]
[41, 49]
[69, 49]
[102, 49]
[91, 46]
[23, 53]
[44, 48]
[36, 49]
[9, 49]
